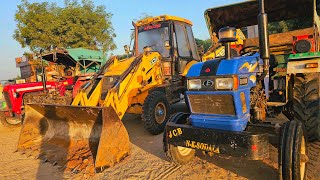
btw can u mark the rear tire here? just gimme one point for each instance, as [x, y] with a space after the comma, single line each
[306, 103]
[293, 152]
[306, 107]
[177, 154]
[156, 112]
[313, 169]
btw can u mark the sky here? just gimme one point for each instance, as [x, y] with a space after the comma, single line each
[124, 11]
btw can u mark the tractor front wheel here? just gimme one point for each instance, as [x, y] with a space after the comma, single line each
[155, 112]
[177, 154]
[293, 152]
[10, 122]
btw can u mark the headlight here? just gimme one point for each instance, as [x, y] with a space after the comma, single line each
[194, 84]
[224, 83]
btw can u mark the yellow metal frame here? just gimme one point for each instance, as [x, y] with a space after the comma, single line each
[161, 18]
[133, 89]
[215, 49]
[134, 84]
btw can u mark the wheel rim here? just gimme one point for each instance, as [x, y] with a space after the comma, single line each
[303, 158]
[13, 121]
[184, 151]
[160, 112]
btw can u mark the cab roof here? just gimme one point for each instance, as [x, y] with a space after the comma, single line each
[73, 55]
[245, 13]
[161, 18]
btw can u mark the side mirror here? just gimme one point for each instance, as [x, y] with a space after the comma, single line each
[167, 44]
[126, 49]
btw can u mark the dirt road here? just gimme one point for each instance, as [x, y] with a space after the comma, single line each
[146, 161]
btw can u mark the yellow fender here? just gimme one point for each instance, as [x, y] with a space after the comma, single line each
[188, 67]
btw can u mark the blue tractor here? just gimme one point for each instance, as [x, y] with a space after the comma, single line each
[231, 97]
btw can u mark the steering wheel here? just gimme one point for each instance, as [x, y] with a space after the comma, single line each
[248, 50]
[59, 78]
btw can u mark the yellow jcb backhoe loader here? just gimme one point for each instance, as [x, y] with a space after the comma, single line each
[89, 135]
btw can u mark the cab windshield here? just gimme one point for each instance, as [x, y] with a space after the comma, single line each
[154, 36]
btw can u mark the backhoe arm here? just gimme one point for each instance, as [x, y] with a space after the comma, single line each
[144, 74]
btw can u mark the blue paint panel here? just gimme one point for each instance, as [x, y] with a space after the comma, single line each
[229, 67]
[224, 122]
[219, 122]
[232, 66]
[244, 66]
[194, 70]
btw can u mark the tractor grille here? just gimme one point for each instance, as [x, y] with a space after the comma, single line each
[212, 104]
[7, 99]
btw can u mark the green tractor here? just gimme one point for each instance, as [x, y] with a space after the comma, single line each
[277, 72]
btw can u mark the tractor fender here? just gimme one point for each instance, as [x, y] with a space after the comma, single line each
[307, 66]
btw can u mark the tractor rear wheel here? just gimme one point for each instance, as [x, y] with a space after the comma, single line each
[306, 107]
[156, 112]
[293, 152]
[177, 154]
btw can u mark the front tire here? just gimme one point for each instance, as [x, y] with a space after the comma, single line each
[10, 122]
[155, 112]
[293, 152]
[177, 154]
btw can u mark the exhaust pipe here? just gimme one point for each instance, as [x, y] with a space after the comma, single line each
[43, 76]
[263, 39]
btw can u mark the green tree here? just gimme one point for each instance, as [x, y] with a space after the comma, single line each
[46, 25]
[204, 43]
[142, 16]
[289, 25]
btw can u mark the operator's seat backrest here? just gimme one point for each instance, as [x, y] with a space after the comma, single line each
[280, 41]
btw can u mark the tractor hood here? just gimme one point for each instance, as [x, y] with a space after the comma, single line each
[222, 67]
[245, 14]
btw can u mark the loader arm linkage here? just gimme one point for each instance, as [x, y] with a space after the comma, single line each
[82, 96]
[89, 135]
[142, 76]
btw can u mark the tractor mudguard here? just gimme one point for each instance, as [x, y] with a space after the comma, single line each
[81, 139]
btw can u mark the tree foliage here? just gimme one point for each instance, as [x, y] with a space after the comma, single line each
[204, 43]
[289, 25]
[46, 25]
[142, 16]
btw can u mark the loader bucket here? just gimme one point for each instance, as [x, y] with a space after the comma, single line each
[78, 139]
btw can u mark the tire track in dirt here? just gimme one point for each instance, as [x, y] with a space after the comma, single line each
[14, 165]
[147, 161]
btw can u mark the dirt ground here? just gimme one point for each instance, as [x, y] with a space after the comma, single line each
[146, 161]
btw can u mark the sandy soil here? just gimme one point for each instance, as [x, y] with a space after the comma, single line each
[146, 161]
